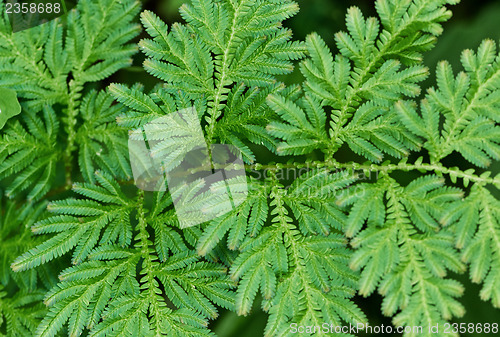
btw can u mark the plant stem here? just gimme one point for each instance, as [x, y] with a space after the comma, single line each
[219, 96]
[402, 166]
[72, 112]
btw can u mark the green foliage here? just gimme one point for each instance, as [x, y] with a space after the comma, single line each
[314, 230]
[224, 54]
[403, 252]
[51, 63]
[468, 103]
[20, 293]
[101, 142]
[476, 234]
[31, 152]
[48, 66]
[108, 244]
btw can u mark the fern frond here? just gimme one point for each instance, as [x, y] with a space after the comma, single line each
[303, 235]
[48, 66]
[404, 253]
[283, 259]
[304, 129]
[367, 76]
[468, 103]
[29, 151]
[79, 224]
[20, 293]
[101, 143]
[102, 293]
[238, 46]
[21, 313]
[475, 222]
[38, 62]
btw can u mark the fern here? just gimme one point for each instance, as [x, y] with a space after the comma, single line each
[313, 231]
[105, 269]
[20, 293]
[48, 66]
[399, 256]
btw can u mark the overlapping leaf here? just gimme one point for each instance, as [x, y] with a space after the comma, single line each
[402, 252]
